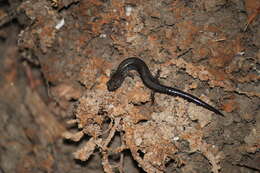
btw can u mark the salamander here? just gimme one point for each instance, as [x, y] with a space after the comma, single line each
[134, 63]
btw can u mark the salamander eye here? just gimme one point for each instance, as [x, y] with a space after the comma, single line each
[113, 72]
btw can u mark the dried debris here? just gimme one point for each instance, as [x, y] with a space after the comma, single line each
[152, 137]
[97, 35]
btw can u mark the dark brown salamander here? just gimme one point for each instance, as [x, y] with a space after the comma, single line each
[137, 64]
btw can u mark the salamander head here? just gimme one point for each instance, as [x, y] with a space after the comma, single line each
[115, 82]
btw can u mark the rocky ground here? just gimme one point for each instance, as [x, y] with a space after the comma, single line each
[58, 116]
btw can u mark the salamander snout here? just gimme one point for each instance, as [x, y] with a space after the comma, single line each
[114, 83]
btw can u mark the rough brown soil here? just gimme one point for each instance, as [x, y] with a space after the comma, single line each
[57, 115]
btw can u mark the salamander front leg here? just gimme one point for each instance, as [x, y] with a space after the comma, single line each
[152, 96]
